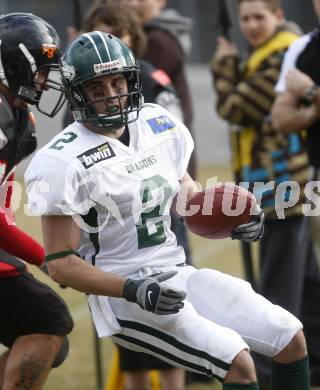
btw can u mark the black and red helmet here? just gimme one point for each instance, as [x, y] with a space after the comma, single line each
[28, 44]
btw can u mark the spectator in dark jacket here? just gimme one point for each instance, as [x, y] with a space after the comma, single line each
[168, 43]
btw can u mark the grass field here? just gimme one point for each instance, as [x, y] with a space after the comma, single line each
[78, 372]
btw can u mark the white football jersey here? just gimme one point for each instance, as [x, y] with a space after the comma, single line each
[123, 193]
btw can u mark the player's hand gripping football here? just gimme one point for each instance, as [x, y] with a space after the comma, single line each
[152, 296]
[252, 231]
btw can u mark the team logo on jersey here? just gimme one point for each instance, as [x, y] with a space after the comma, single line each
[160, 124]
[96, 155]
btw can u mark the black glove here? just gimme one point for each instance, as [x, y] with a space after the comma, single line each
[152, 296]
[252, 231]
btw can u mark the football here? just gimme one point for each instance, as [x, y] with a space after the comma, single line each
[217, 211]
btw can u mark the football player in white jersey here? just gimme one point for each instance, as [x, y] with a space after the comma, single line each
[104, 188]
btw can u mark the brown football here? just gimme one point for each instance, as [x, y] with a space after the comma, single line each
[217, 211]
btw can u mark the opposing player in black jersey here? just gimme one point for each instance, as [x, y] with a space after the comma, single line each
[34, 320]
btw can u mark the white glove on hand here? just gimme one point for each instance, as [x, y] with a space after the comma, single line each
[152, 296]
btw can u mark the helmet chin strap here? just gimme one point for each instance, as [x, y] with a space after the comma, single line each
[29, 95]
[103, 130]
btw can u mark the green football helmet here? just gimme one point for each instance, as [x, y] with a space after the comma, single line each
[93, 55]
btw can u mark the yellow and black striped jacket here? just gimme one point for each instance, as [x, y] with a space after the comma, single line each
[245, 94]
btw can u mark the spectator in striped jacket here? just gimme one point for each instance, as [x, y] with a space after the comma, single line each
[245, 94]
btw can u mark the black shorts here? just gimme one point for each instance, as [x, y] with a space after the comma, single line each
[28, 306]
[134, 361]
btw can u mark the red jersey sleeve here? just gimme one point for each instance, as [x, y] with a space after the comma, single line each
[12, 239]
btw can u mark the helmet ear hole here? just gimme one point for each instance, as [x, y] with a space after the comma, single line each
[19, 67]
[130, 80]
[12, 68]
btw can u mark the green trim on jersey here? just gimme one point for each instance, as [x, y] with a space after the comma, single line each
[91, 219]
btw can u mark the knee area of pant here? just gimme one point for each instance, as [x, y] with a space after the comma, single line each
[295, 350]
[242, 369]
[62, 353]
[205, 279]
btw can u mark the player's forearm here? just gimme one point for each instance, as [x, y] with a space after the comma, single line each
[287, 119]
[73, 272]
[188, 188]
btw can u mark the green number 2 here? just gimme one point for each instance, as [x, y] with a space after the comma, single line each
[70, 137]
[146, 239]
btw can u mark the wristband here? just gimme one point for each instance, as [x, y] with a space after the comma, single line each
[59, 255]
[130, 290]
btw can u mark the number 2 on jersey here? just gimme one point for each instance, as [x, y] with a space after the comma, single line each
[147, 223]
[70, 137]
